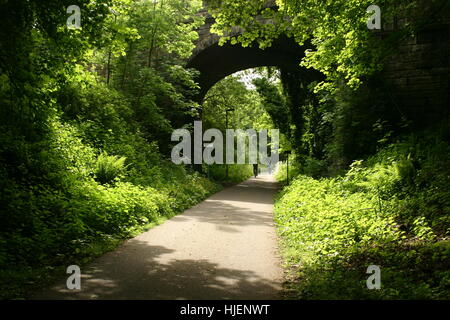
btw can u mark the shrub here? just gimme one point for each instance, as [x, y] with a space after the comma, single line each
[59, 203]
[391, 210]
[109, 168]
[236, 172]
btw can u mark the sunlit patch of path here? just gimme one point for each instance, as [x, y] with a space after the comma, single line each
[223, 248]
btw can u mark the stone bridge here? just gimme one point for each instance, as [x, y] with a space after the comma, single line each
[418, 75]
[216, 62]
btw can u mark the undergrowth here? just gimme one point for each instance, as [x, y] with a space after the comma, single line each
[391, 210]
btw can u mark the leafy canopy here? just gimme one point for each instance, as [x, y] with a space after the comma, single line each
[341, 45]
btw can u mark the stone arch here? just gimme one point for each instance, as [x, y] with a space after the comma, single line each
[216, 62]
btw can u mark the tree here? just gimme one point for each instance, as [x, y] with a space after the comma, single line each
[342, 46]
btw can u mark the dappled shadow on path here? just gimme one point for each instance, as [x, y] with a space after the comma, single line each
[149, 276]
[246, 204]
[214, 250]
[227, 217]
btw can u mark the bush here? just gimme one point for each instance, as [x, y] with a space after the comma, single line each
[62, 203]
[236, 172]
[109, 168]
[391, 210]
[309, 166]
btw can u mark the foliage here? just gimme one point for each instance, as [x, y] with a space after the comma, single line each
[281, 170]
[109, 168]
[85, 117]
[274, 104]
[391, 211]
[150, 69]
[325, 131]
[335, 32]
[236, 172]
[245, 111]
[60, 209]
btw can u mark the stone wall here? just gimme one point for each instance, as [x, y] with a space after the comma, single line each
[418, 73]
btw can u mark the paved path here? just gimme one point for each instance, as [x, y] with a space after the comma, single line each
[223, 248]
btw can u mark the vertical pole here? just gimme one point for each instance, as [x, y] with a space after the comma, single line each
[287, 168]
[226, 127]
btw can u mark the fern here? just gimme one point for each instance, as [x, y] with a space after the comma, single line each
[109, 168]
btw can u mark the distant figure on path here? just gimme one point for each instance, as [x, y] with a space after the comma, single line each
[255, 169]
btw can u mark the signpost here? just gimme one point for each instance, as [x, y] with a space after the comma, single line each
[226, 127]
[285, 155]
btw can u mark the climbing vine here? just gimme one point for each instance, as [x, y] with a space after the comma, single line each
[338, 40]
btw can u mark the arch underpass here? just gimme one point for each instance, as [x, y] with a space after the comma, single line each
[215, 62]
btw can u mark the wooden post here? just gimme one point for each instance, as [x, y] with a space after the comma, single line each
[226, 127]
[287, 168]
